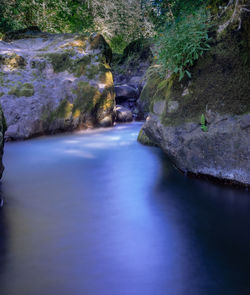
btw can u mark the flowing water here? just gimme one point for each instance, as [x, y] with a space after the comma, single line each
[96, 213]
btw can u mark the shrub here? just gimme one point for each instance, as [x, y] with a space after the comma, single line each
[181, 43]
[118, 43]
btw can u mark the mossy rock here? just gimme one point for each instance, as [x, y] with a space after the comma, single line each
[61, 61]
[13, 61]
[19, 90]
[21, 34]
[86, 97]
[97, 42]
[140, 48]
[219, 82]
[79, 67]
[144, 139]
[63, 111]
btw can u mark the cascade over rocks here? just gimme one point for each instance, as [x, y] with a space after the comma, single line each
[55, 82]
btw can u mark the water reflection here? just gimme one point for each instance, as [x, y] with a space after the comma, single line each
[97, 213]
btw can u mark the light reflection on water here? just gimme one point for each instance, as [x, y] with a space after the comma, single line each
[97, 213]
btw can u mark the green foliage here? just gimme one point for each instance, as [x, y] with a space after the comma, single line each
[119, 21]
[181, 43]
[203, 123]
[173, 10]
[20, 89]
[50, 15]
[144, 139]
[118, 43]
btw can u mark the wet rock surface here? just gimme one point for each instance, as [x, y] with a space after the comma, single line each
[51, 83]
[222, 152]
[123, 114]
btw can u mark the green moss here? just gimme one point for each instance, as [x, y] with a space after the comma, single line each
[87, 97]
[93, 71]
[97, 42]
[63, 111]
[14, 90]
[151, 93]
[144, 139]
[19, 90]
[1, 79]
[60, 61]
[79, 67]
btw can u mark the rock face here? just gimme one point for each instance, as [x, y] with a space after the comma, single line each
[203, 123]
[222, 152]
[123, 114]
[124, 92]
[51, 83]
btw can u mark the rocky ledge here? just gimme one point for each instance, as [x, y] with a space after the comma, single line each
[51, 83]
[203, 123]
[222, 152]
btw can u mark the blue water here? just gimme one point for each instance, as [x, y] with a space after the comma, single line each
[96, 213]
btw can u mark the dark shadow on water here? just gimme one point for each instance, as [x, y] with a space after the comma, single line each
[3, 238]
[217, 220]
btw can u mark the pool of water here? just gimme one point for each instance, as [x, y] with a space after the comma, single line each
[97, 213]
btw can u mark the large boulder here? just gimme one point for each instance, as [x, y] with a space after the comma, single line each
[222, 152]
[203, 123]
[51, 83]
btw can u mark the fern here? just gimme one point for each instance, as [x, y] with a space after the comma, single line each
[203, 123]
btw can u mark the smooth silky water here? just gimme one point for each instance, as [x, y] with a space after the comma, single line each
[97, 213]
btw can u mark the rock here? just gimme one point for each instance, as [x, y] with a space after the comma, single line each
[245, 122]
[172, 106]
[185, 92]
[144, 139]
[21, 34]
[159, 107]
[12, 131]
[52, 83]
[125, 91]
[220, 92]
[106, 122]
[130, 69]
[222, 152]
[123, 114]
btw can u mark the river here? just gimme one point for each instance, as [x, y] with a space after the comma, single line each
[97, 213]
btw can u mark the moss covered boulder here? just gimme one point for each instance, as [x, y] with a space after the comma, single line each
[51, 83]
[203, 123]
